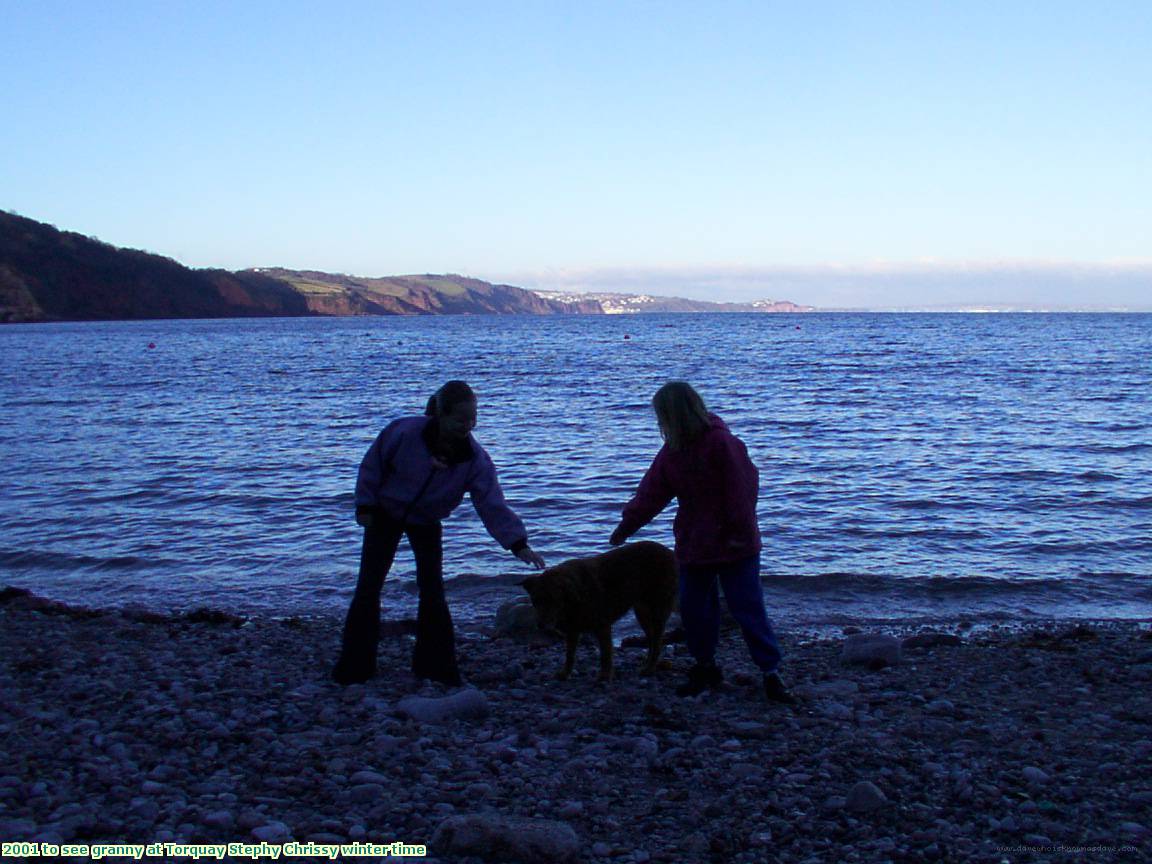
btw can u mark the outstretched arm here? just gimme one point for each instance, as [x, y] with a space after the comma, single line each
[653, 495]
[502, 523]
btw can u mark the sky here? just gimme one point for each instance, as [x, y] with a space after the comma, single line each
[840, 154]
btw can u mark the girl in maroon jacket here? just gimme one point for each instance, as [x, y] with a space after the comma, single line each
[706, 467]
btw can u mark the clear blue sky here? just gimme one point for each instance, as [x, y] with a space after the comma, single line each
[717, 149]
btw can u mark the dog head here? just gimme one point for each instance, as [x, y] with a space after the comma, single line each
[547, 599]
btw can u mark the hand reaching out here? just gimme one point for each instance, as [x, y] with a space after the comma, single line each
[530, 557]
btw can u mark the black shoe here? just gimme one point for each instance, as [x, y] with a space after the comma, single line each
[775, 691]
[344, 674]
[701, 677]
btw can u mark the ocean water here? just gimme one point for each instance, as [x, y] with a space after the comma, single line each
[913, 467]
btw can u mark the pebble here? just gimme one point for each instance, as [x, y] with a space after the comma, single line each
[492, 836]
[1035, 776]
[165, 737]
[465, 704]
[872, 650]
[273, 832]
[865, 797]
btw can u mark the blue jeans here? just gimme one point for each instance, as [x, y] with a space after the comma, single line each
[700, 610]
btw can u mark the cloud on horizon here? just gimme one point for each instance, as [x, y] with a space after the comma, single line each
[923, 284]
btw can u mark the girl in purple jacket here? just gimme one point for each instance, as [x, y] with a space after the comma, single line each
[707, 469]
[413, 476]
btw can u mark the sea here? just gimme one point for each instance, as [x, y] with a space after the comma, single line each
[914, 467]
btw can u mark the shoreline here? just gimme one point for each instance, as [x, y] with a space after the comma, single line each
[127, 726]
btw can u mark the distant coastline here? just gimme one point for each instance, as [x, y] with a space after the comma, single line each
[52, 275]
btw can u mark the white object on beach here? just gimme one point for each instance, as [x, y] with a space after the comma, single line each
[465, 704]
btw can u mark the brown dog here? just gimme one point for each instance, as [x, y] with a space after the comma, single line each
[589, 595]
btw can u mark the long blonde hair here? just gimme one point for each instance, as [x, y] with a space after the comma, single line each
[681, 414]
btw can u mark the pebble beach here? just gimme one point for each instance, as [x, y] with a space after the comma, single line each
[203, 730]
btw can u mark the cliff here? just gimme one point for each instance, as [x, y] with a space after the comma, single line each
[336, 294]
[52, 275]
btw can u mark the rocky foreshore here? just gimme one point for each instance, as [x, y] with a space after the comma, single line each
[1012, 745]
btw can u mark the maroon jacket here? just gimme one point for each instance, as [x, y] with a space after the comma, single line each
[716, 485]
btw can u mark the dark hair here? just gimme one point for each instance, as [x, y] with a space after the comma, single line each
[680, 412]
[448, 397]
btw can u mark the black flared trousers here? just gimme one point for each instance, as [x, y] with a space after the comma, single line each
[434, 656]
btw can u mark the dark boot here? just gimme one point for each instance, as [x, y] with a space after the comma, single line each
[701, 677]
[434, 655]
[775, 690]
[345, 673]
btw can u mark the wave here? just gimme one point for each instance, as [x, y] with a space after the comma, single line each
[64, 561]
[857, 585]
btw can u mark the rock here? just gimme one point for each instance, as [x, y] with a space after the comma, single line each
[18, 829]
[842, 689]
[465, 704]
[366, 793]
[506, 838]
[516, 618]
[864, 797]
[219, 819]
[835, 711]
[940, 706]
[871, 650]
[367, 776]
[646, 749]
[931, 640]
[273, 832]
[1035, 776]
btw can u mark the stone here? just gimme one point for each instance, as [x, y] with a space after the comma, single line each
[841, 689]
[367, 776]
[1035, 776]
[366, 793]
[871, 650]
[835, 711]
[516, 618]
[466, 704]
[273, 832]
[940, 706]
[865, 797]
[497, 837]
[219, 819]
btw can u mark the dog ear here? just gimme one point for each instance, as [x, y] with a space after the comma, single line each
[528, 583]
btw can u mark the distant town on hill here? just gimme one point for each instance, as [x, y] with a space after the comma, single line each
[52, 275]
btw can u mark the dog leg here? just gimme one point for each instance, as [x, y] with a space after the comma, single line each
[655, 646]
[571, 640]
[604, 635]
[652, 623]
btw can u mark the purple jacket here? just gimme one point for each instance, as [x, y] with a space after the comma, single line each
[717, 486]
[399, 476]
